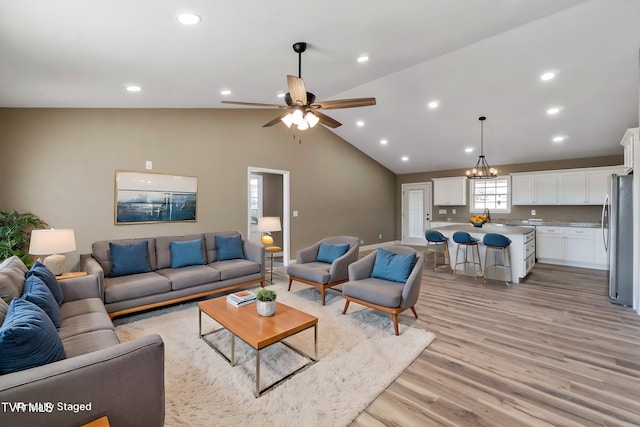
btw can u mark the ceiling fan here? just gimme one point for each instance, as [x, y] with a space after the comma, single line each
[302, 109]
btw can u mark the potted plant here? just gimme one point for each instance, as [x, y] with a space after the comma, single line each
[266, 302]
[15, 232]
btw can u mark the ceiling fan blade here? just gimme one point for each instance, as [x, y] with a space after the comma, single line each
[275, 121]
[255, 104]
[326, 120]
[345, 103]
[297, 90]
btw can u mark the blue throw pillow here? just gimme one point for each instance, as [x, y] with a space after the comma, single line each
[393, 267]
[186, 253]
[28, 338]
[36, 291]
[329, 252]
[39, 270]
[229, 247]
[129, 258]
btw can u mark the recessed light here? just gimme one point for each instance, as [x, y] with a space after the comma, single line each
[433, 104]
[359, 123]
[468, 150]
[405, 158]
[133, 88]
[549, 75]
[559, 138]
[384, 142]
[225, 92]
[363, 58]
[553, 110]
[189, 18]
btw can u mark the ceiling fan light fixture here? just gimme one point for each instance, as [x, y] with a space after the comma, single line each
[297, 117]
[482, 170]
[287, 120]
[303, 125]
[311, 118]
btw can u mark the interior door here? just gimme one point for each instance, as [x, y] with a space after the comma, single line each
[416, 212]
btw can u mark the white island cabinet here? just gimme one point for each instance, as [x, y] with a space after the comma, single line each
[522, 250]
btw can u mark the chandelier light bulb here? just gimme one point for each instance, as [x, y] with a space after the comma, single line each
[296, 117]
[303, 125]
[311, 118]
[287, 120]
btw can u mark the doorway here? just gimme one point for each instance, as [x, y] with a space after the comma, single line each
[416, 212]
[261, 195]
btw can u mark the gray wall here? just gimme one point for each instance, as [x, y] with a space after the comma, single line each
[60, 163]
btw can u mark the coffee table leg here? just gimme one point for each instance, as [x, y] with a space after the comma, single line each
[233, 350]
[315, 341]
[257, 393]
[200, 322]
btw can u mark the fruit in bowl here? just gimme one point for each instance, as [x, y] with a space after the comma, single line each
[478, 220]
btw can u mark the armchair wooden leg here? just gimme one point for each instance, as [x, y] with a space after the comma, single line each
[394, 316]
[322, 294]
[414, 311]
[346, 305]
[290, 280]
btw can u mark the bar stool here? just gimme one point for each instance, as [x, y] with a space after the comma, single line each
[497, 242]
[437, 240]
[464, 239]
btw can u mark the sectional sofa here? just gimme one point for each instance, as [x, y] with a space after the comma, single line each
[61, 363]
[138, 274]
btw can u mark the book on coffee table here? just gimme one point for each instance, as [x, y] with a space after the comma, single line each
[240, 304]
[241, 297]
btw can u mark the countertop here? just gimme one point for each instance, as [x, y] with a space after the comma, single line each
[536, 222]
[486, 228]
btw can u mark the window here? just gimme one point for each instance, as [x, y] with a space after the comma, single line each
[492, 194]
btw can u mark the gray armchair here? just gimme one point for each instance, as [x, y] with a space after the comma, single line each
[312, 266]
[384, 295]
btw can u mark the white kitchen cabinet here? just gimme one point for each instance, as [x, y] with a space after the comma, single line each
[575, 246]
[534, 189]
[573, 188]
[450, 191]
[629, 140]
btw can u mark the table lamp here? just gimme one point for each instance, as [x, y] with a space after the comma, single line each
[53, 242]
[267, 224]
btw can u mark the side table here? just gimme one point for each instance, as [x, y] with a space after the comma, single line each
[271, 250]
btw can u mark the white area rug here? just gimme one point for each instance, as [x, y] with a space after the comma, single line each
[358, 358]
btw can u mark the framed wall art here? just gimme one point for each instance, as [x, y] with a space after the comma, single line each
[144, 197]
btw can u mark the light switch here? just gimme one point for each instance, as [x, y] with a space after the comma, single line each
[442, 211]
[533, 212]
[295, 213]
[453, 211]
[148, 165]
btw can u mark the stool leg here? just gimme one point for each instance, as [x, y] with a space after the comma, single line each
[486, 257]
[447, 257]
[507, 261]
[455, 267]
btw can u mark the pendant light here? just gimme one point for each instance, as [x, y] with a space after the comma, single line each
[482, 170]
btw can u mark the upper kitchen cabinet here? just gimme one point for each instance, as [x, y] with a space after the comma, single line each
[630, 138]
[450, 191]
[583, 186]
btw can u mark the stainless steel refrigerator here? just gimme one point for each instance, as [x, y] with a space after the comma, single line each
[617, 232]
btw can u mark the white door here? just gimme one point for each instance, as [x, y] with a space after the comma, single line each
[416, 212]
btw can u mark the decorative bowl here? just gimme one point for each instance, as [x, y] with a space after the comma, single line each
[477, 223]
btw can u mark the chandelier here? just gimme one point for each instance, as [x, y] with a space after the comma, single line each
[482, 170]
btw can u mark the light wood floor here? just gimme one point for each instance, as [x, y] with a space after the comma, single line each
[551, 350]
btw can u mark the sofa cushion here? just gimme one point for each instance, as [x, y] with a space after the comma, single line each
[82, 306]
[77, 345]
[28, 338]
[37, 292]
[163, 248]
[129, 258]
[3, 310]
[134, 286]
[392, 266]
[186, 253]
[12, 271]
[187, 277]
[377, 291]
[234, 268]
[329, 252]
[41, 271]
[84, 323]
[317, 272]
[101, 252]
[229, 247]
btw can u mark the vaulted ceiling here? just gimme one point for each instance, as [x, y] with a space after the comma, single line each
[474, 57]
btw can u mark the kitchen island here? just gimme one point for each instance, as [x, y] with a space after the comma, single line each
[522, 251]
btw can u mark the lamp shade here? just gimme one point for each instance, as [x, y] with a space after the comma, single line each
[269, 224]
[53, 241]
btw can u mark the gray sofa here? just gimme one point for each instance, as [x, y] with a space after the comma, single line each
[163, 285]
[124, 381]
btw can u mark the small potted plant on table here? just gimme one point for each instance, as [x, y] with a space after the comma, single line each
[266, 304]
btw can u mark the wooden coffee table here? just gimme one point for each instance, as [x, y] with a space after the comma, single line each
[259, 332]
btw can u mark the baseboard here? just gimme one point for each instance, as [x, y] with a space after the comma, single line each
[380, 245]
